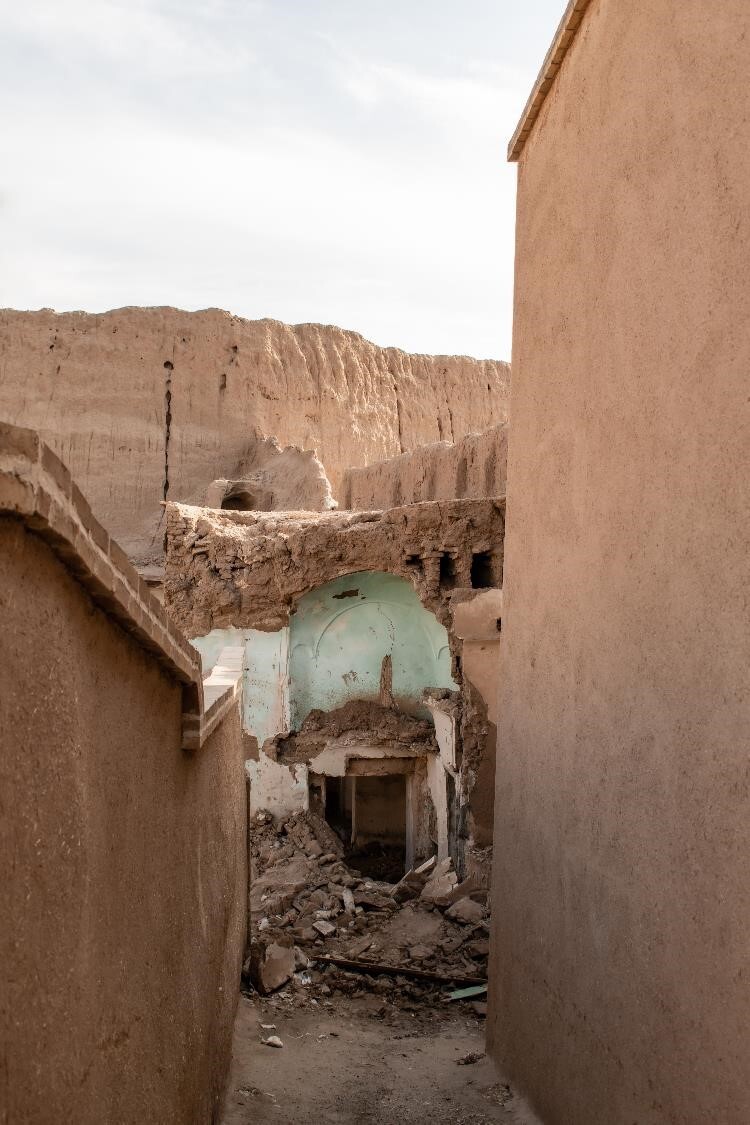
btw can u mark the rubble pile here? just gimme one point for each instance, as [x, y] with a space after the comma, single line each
[404, 943]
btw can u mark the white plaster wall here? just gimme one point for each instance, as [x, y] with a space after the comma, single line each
[265, 687]
[211, 645]
[280, 789]
[265, 706]
[439, 794]
[445, 734]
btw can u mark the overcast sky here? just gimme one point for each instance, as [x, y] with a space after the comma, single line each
[339, 161]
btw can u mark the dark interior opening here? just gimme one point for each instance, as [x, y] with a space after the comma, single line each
[447, 571]
[337, 809]
[379, 846]
[241, 501]
[481, 570]
[368, 814]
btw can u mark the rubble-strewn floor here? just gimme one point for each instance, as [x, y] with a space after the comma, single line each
[394, 1040]
[306, 904]
[348, 1066]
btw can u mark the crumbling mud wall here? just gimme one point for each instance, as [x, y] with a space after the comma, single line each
[239, 572]
[474, 466]
[271, 479]
[247, 570]
[122, 901]
[145, 405]
[619, 975]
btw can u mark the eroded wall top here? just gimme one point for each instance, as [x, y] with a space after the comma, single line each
[148, 404]
[249, 569]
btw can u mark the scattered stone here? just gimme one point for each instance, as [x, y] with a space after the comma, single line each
[438, 890]
[348, 900]
[358, 947]
[470, 1057]
[466, 911]
[272, 1041]
[301, 960]
[413, 881]
[307, 904]
[373, 900]
[421, 952]
[271, 963]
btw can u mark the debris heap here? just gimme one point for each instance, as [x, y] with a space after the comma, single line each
[320, 929]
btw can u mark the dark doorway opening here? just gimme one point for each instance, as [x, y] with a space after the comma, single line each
[337, 806]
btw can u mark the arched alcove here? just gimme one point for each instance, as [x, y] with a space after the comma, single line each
[341, 632]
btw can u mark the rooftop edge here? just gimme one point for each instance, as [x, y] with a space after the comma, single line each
[38, 489]
[564, 36]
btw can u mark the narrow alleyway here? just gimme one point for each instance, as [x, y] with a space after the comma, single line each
[363, 1000]
[362, 1062]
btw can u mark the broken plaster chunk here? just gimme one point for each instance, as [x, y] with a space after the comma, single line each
[439, 890]
[272, 1041]
[348, 900]
[410, 886]
[301, 960]
[324, 928]
[466, 911]
[271, 963]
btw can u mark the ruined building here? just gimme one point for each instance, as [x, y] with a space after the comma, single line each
[311, 698]
[370, 667]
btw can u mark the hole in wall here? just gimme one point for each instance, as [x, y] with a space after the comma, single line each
[222, 382]
[240, 501]
[481, 570]
[447, 571]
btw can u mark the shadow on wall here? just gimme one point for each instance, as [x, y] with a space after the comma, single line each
[340, 634]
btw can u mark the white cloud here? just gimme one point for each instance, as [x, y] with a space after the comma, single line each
[256, 157]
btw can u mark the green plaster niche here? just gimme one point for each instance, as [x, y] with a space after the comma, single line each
[341, 632]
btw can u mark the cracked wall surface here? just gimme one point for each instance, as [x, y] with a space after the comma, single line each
[145, 403]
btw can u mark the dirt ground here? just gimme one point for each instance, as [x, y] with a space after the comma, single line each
[349, 1066]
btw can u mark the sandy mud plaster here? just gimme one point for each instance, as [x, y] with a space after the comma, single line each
[248, 569]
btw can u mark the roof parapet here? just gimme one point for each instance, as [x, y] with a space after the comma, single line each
[38, 489]
[564, 36]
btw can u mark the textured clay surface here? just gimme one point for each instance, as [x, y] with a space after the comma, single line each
[623, 826]
[247, 569]
[474, 466]
[122, 902]
[272, 479]
[150, 404]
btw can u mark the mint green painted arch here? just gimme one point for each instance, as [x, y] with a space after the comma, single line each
[337, 644]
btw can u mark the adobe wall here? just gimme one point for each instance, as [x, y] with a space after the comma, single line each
[474, 466]
[149, 404]
[122, 905]
[249, 569]
[623, 818]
